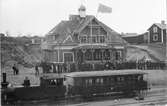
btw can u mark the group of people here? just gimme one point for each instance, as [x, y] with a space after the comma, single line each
[16, 70]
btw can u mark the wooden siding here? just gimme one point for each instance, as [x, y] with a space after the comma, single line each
[152, 33]
[164, 36]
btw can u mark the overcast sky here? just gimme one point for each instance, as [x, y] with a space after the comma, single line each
[40, 16]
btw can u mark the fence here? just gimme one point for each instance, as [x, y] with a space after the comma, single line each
[72, 67]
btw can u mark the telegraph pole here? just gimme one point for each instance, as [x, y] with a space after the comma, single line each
[166, 36]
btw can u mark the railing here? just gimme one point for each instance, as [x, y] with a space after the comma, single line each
[73, 67]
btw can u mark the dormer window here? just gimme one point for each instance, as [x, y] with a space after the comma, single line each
[155, 29]
[82, 11]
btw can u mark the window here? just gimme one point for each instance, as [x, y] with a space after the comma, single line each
[97, 55]
[111, 79]
[99, 81]
[88, 81]
[155, 29]
[106, 55]
[83, 39]
[118, 55]
[94, 39]
[88, 55]
[68, 57]
[155, 37]
[119, 79]
[102, 39]
[140, 77]
[98, 39]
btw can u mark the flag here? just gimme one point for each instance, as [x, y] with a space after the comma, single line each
[104, 9]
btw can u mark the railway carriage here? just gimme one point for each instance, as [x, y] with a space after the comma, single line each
[83, 84]
[105, 82]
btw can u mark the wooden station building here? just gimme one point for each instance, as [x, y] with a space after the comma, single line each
[83, 39]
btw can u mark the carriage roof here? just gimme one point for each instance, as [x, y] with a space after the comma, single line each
[52, 76]
[105, 73]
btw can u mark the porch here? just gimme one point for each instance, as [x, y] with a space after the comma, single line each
[95, 54]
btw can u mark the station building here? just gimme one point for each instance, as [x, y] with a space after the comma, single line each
[83, 39]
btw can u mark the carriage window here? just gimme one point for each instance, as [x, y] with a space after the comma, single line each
[112, 79]
[129, 78]
[135, 78]
[53, 82]
[99, 81]
[120, 79]
[140, 78]
[88, 81]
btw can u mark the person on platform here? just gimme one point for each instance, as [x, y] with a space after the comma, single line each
[26, 82]
[36, 70]
[15, 69]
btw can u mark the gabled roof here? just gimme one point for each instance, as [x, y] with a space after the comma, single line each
[76, 25]
[161, 26]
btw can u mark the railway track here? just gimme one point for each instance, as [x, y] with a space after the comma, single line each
[151, 98]
[158, 99]
[149, 101]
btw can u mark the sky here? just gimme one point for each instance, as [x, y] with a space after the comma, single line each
[38, 17]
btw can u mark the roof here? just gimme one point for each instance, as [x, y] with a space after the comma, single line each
[129, 34]
[65, 28]
[77, 24]
[160, 25]
[52, 75]
[104, 73]
[89, 46]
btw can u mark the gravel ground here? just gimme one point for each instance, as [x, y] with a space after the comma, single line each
[17, 80]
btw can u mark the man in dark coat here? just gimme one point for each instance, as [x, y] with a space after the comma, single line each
[26, 82]
[15, 70]
[36, 70]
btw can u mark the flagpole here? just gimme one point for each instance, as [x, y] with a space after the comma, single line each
[166, 36]
[97, 14]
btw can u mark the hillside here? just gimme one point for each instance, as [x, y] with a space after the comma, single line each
[19, 50]
[152, 52]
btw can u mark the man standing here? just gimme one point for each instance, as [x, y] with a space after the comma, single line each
[15, 70]
[36, 70]
[26, 82]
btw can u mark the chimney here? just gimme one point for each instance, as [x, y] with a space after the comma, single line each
[163, 22]
[82, 11]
